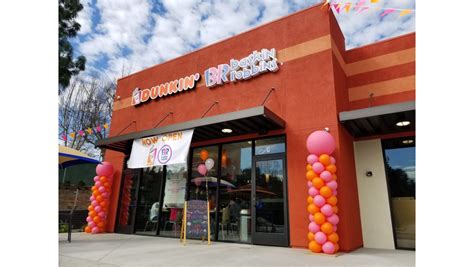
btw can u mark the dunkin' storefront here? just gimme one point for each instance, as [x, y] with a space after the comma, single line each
[228, 123]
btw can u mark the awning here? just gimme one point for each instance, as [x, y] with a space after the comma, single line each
[253, 120]
[380, 119]
[69, 157]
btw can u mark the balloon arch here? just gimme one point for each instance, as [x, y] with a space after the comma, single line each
[322, 189]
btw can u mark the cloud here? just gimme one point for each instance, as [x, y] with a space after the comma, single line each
[126, 36]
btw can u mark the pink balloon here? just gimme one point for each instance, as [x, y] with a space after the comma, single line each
[202, 169]
[89, 219]
[311, 218]
[320, 142]
[333, 219]
[105, 169]
[105, 194]
[92, 198]
[313, 227]
[311, 159]
[334, 228]
[332, 185]
[309, 184]
[95, 230]
[326, 176]
[319, 200]
[313, 191]
[98, 208]
[102, 189]
[320, 238]
[96, 179]
[91, 224]
[98, 184]
[94, 203]
[329, 248]
[318, 167]
[334, 192]
[101, 214]
[333, 160]
[327, 210]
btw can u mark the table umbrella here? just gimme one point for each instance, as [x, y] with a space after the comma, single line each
[69, 157]
[212, 181]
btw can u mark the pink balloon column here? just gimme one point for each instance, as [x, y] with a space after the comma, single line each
[99, 207]
[322, 201]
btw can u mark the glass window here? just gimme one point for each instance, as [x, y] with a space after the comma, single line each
[270, 145]
[173, 200]
[148, 203]
[203, 187]
[235, 191]
[400, 168]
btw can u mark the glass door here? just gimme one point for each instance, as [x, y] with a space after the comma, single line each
[269, 213]
[128, 201]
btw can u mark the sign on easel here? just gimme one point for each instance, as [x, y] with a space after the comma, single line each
[196, 221]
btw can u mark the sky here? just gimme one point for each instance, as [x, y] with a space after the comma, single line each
[119, 37]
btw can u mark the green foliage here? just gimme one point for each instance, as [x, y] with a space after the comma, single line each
[63, 227]
[68, 28]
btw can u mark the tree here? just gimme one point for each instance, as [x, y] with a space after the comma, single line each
[68, 28]
[84, 105]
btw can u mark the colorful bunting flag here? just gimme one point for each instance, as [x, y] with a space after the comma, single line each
[359, 5]
[405, 12]
[347, 7]
[106, 126]
[81, 133]
[89, 130]
[72, 135]
[387, 11]
[64, 137]
[374, 1]
[98, 128]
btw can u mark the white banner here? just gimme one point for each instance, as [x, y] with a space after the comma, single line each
[165, 149]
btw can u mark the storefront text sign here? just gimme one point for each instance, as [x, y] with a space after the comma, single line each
[165, 149]
[169, 88]
[248, 67]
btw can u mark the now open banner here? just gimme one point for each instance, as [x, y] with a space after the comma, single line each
[164, 149]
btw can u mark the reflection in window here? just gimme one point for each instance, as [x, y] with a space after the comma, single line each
[400, 168]
[234, 198]
[148, 203]
[270, 145]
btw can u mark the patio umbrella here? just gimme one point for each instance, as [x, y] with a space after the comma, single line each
[246, 189]
[212, 181]
[69, 157]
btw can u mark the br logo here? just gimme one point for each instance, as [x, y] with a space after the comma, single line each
[164, 154]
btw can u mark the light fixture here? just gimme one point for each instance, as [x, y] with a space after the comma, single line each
[408, 141]
[403, 123]
[226, 130]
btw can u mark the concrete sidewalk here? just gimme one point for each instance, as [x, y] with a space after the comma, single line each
[133, 250]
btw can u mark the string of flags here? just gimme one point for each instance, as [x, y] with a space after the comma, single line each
[89, 130]
[361, 5]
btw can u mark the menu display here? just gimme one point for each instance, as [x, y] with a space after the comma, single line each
[196, 219]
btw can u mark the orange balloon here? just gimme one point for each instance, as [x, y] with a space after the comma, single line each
[325, 159]
[96, 219]
[312, 208]
[204, 154]
[331, 168]
[90, 208]
[327, 228]
[309, 200]
[332, 200]
[92, 214]
[103, 179]
[310, 175]
[96, 194]
[101, 224]
[336, 247]
[334, 177]
[310, 236]
[99, 198]
[94, 188]
[318, 182]
[319, 218]
[314, 247]
[106, 185]
[335, 209]
[87, 229]
[334, 237]
[309, 167]
[325, 191]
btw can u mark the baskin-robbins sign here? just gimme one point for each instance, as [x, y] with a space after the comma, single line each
[164, 149]
[258, 62]
[248, 67]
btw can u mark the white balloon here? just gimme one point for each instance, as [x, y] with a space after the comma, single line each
[209, 163]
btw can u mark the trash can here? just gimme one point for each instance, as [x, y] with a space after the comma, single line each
[244, 225]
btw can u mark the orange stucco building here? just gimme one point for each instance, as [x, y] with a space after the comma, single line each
[359, 95]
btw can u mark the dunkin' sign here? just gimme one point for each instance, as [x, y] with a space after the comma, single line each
[256, 63]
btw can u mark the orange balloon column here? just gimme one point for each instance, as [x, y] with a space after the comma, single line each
[322, 189]
[99, 207]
